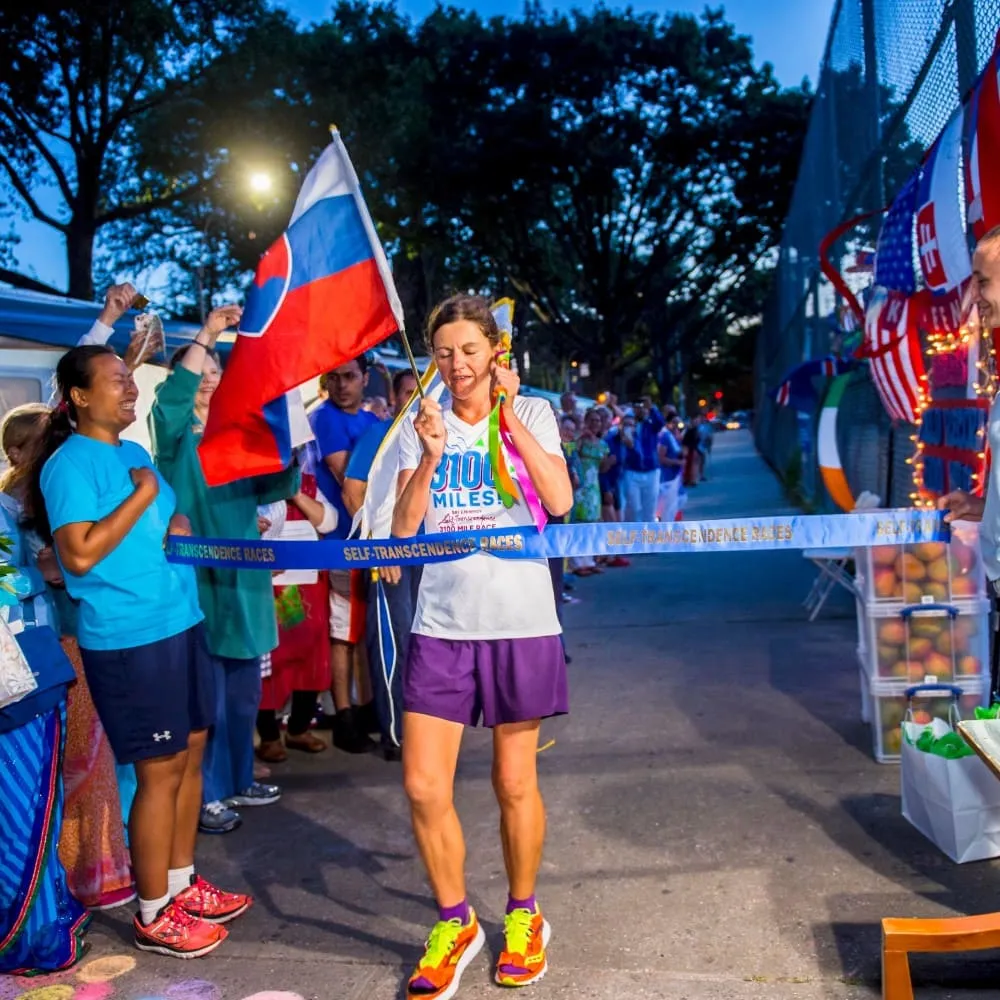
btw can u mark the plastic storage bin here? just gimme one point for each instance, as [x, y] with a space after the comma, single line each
[941, 572]
[885, 703]
[924, 642]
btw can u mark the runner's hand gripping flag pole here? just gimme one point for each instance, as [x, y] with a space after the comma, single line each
[323, 295]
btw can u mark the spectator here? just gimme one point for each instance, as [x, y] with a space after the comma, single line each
[642, 465]
[300, 666]
[41, 923]
[338, 425]
[569, 407]
[671, 456]
[100, 501]
[238, 603]
[399, 585]
[92, 844]
[592, 453]
[705, 437]
[378, 406]
[692, 452]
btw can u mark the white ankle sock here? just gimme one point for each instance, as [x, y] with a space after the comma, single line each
[178, 879]
[148, 908]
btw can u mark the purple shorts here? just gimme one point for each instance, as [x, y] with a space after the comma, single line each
[502, 680]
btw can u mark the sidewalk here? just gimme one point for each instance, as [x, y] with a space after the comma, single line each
[718, 829]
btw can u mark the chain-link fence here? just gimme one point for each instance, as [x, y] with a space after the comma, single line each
[893, 73]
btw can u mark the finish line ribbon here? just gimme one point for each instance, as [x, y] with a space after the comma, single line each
[743, 534]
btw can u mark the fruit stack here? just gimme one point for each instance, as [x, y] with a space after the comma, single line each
[922, 618]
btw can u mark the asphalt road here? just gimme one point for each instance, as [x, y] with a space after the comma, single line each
[718, 829]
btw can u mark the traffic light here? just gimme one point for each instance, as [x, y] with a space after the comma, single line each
[718, 394]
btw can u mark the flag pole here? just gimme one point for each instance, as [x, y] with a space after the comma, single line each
[412, 360]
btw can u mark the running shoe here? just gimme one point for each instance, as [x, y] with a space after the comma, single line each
[450, 948]
[525, 936]
[176, 933]
[202, 899]
[256, 795]
[217, 817]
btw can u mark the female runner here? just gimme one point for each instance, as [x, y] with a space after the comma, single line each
[485, 644]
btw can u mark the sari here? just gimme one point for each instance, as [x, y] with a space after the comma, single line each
[92, 847]
[41, 924]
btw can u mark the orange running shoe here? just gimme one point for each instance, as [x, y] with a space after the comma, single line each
[204, 900]
[176, 933]
[451, 946]
[525, 936]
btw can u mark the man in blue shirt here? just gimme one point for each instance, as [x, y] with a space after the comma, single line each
[338, 425]
[642, 464]
[399, 586]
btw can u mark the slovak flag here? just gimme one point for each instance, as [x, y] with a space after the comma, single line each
[944, 253]
[323, 294]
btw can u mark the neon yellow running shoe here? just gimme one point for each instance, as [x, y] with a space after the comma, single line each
[451, 946]
[525, 936]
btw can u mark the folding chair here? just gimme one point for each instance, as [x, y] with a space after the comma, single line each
[832, 567]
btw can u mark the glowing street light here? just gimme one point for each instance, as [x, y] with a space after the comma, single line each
[260, 182]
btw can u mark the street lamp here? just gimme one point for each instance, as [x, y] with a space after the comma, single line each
[260, 182]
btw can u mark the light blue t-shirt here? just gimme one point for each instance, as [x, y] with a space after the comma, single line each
[133, 596]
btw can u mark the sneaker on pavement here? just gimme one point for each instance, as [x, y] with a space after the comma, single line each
[176, 933]
[202, 899]
[525, 936]
[217, 817]
[257, 794]
[450, 948]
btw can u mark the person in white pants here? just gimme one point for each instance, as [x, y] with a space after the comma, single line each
[671, 458]
[642, 465]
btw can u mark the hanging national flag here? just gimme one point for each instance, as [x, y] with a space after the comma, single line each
[798, 388]
[894, 263]
[323, 294]
[982, 151]
[828, 450]
[892, 343]
[941, 243]
[864, 263]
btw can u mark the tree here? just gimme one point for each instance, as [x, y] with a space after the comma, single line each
[75, 85]
[610, 164]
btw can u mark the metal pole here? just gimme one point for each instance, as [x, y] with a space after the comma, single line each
[965, 45]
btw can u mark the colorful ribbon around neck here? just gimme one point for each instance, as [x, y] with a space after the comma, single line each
[500, 438]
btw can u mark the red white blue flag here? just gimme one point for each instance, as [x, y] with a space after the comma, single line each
[982, 151]
[323, 294]
[941, 243]
[892, 344]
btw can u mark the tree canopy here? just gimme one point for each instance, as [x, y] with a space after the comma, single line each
[622, 175]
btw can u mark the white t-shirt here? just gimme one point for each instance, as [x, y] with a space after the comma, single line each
[481, 596]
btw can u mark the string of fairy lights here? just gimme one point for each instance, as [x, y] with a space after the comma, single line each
[970, 336]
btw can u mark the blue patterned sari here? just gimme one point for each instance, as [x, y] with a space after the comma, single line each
[41, 924]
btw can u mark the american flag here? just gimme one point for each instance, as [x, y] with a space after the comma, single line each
[892, 342]
[894, 264]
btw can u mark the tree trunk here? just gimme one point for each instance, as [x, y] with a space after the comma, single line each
[80, 259]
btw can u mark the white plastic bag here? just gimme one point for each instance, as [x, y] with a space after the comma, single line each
[16, 678]
[954, 803]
